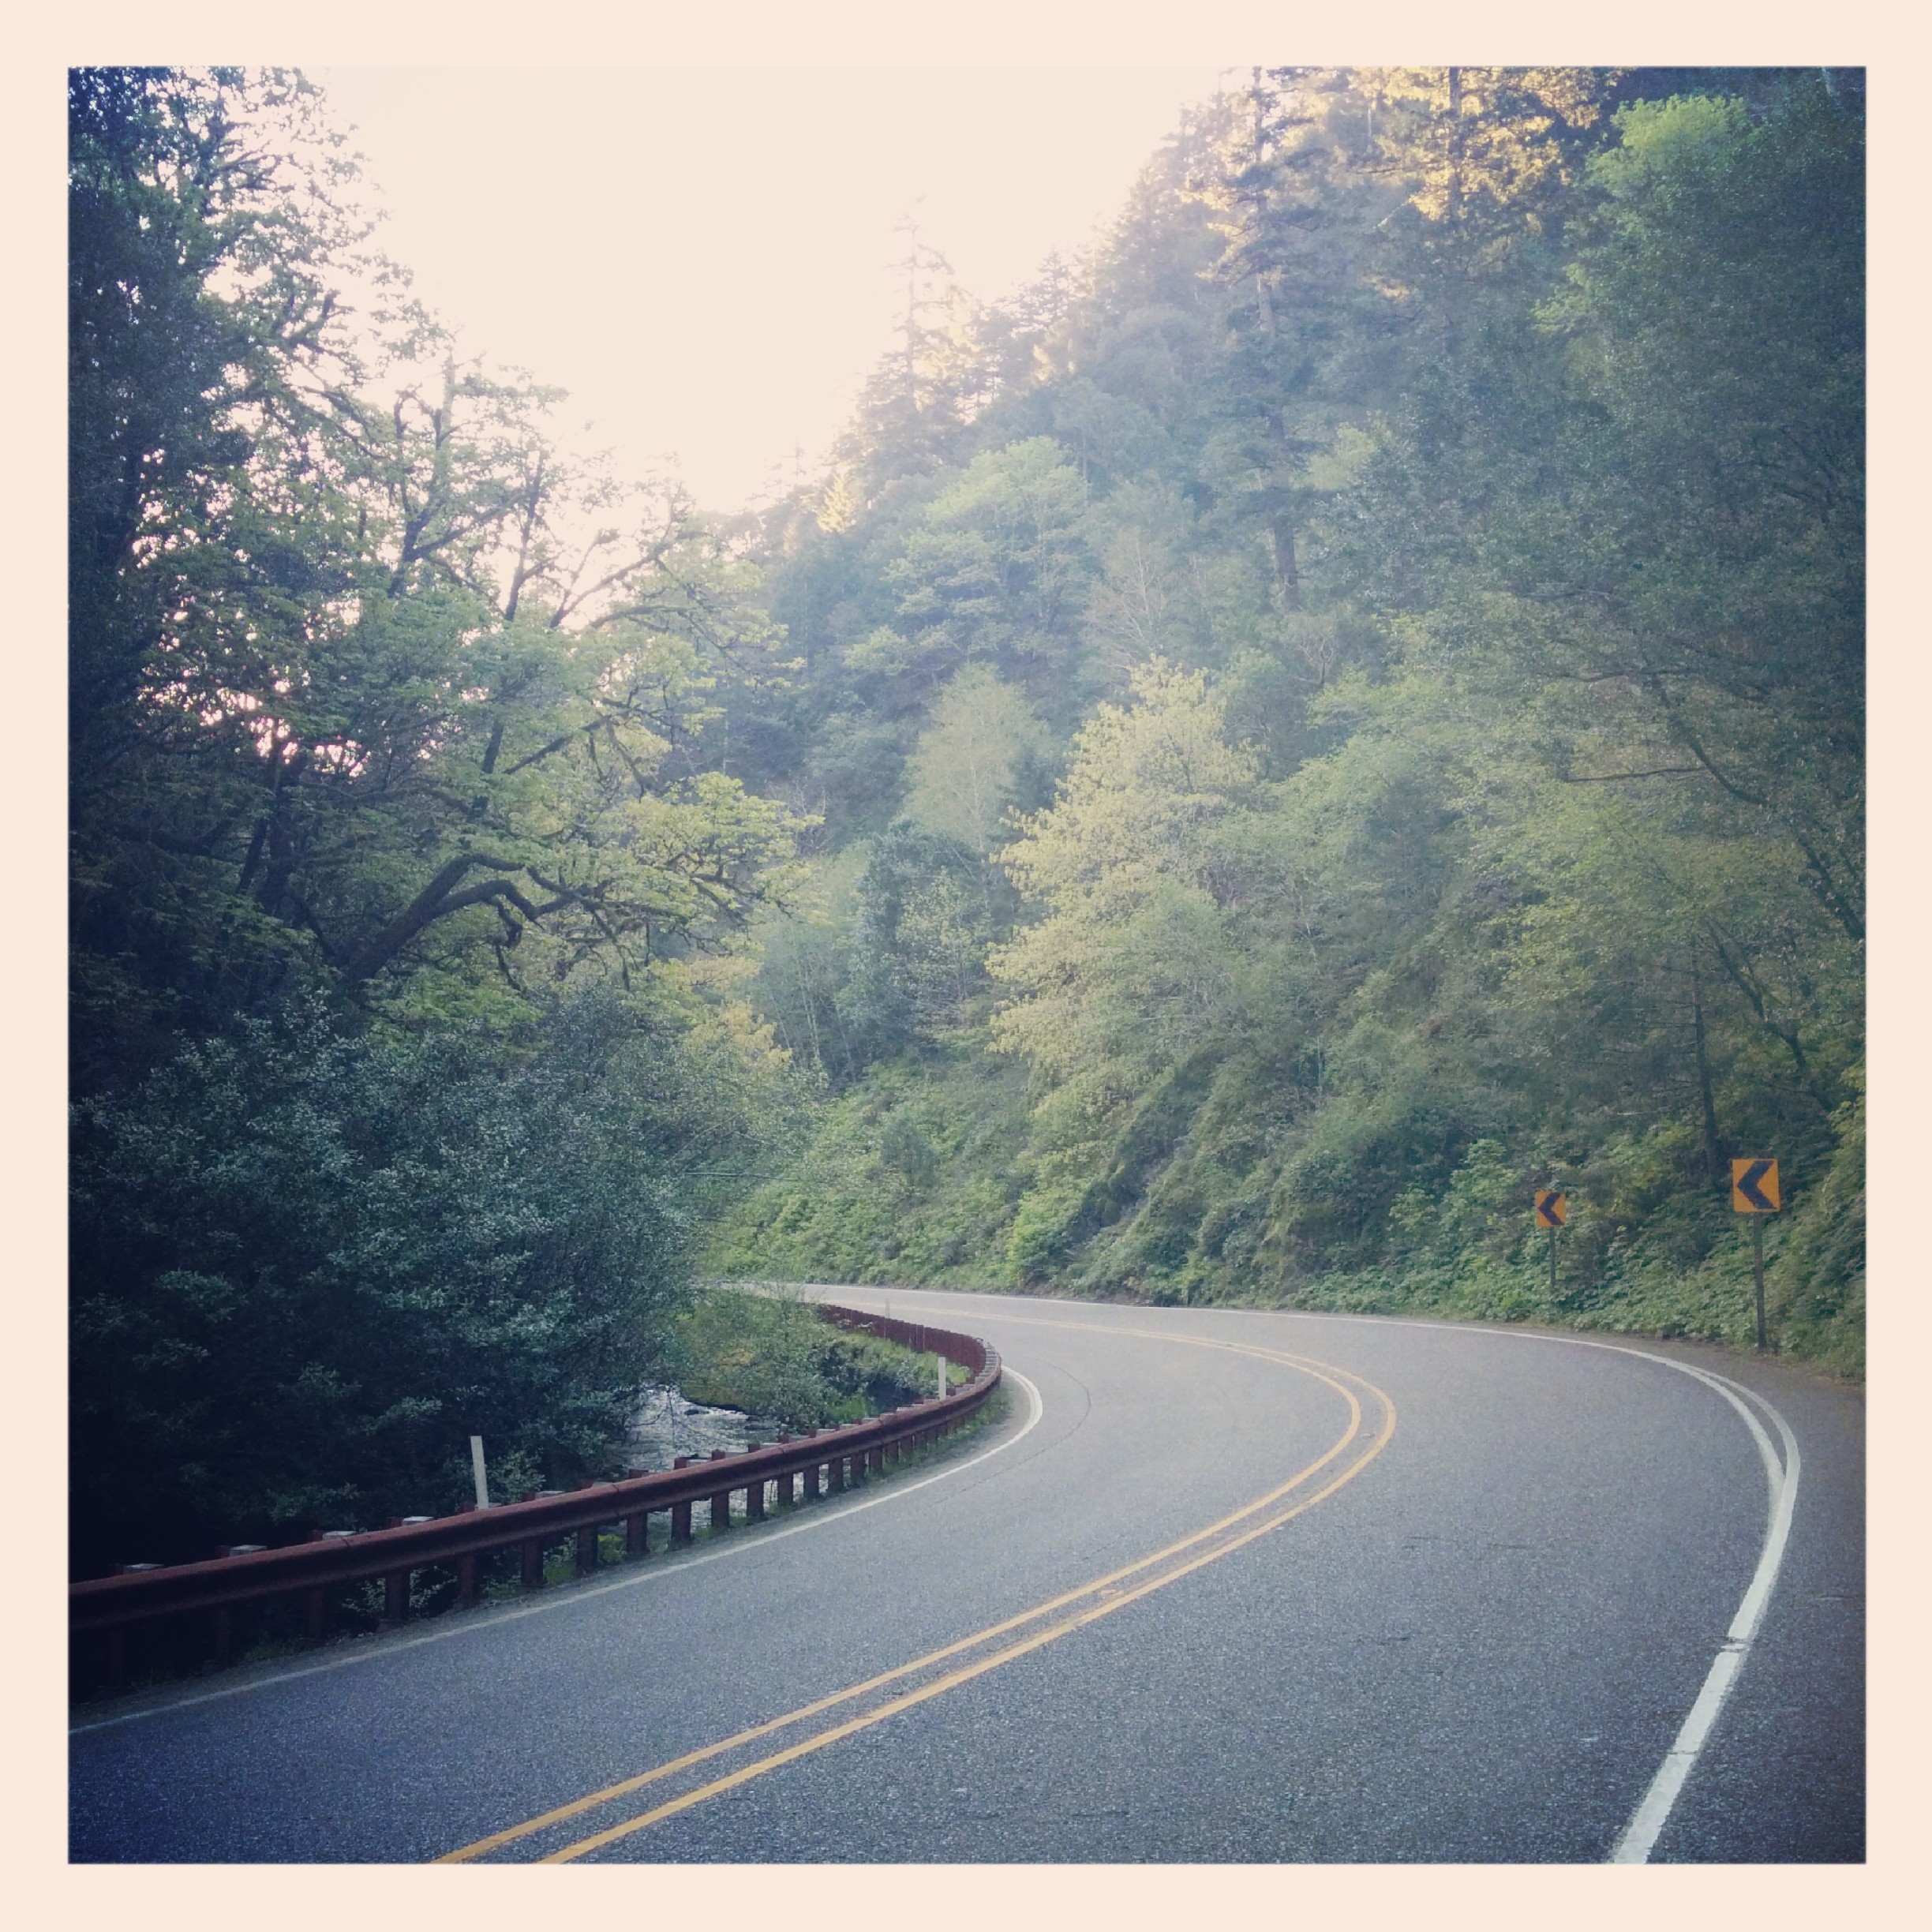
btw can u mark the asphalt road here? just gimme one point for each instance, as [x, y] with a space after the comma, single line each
[1331, 1590]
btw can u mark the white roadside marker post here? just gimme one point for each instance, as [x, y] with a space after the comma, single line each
[476, 1469]
[942, 1372]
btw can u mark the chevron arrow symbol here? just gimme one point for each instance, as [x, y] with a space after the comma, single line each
[1747, 1184]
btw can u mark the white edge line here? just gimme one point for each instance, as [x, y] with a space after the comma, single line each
[1639, 1837]
[565, 1601]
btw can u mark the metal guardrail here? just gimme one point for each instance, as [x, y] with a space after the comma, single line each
[103, 1610]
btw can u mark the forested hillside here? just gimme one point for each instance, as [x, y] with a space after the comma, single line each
[1345, 706]
[1339, 706]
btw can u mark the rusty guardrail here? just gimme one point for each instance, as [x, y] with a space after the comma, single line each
[103, 1610]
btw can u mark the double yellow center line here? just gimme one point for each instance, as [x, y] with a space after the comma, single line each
[940, 1671]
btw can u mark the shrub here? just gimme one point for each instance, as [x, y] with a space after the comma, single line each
[307, 1264]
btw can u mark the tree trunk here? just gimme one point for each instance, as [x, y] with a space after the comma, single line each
[1285, 574]
[1713, 1145]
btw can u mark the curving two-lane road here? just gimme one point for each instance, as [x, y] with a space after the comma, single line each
[1221, 1584]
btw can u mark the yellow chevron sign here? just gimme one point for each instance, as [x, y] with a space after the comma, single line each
[1553, 1209]
[1754, 1187]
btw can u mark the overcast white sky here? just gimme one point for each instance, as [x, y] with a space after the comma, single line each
[701, 257]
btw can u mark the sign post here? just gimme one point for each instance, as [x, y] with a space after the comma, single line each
[477, 1470]
[1552, 1211]
[1754, 1191]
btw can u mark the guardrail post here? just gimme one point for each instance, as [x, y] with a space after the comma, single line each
[466, 1580]
[680, 1512]
[315, 1604]
[720, 1503]
[635, 1523]
[223, 1645]
[395, 1596]
[533, 1562]
[587, 1541]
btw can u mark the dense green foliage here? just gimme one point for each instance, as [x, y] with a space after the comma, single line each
[1422, 553]
[374, 691]
[404, 895]
[309, 1265]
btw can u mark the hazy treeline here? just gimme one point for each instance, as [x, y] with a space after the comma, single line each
[1347, 705]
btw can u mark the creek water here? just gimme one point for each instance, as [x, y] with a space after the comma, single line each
[667, 1426]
